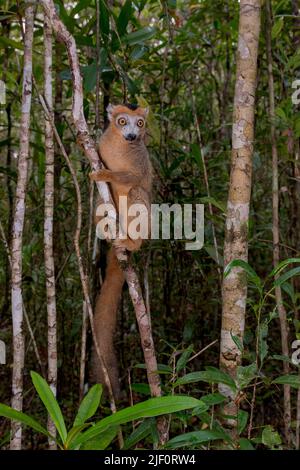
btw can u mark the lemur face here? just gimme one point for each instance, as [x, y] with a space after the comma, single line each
[129, 122]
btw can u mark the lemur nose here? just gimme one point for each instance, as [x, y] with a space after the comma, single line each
[130, 137]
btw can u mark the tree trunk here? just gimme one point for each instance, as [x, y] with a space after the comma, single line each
[48, 227]
[17, 231]
[275, 198]
[236, 229]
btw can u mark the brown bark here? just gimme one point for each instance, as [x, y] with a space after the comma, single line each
[48, 226]
[236, 229]
[17, 231]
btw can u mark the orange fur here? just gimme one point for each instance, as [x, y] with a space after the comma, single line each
[129, 173]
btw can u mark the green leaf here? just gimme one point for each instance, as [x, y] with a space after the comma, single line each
[142, 431]
[280, 266]
[239, 263]
[139, 36]
[281, 114]
[147, 409]
[292, 380]
[284, 277]
[193, 438]
[201, 408]
[270, 438]
[7, 42]
[242, 421]
[211, 376]
[81, 5]
[138, 52]
[237, 342]
[245, 444]
[89, 73]
[213, 399]
[277, 27]
[143, 389]
[47, 397]
[212, 253]
[182, 361]
[74, 431]
[102, 441]
[262, 341]
[124, 17]
[104, 20]
[10, 413]
[89, 405]
[213, 202]
[161, 368]
[245, 374]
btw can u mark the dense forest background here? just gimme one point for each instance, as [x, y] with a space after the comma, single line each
[179, 58]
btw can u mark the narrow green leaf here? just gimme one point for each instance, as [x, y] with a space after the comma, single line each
[138, 52]
[139, 36]
[213, 399]
[89, 405]
[193, 438]
[237, 342]
[277, 27]
[102, 441]
[210, 376]
[147, 409]
[47, 397]
[280, 266]
[7, 42]
[242, 421]
[284, 277]
[10, 413]
[104, 20]
[182, 361]
[142, 431]
[74, 431]
[246, 267]
[245, 444]
[292, 380]
[124, 17]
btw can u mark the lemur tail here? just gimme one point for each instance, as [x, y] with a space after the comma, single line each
[105, 320]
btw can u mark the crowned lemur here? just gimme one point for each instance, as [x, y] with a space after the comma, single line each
[129, 172]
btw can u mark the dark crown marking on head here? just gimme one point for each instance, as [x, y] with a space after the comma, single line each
[130, 106]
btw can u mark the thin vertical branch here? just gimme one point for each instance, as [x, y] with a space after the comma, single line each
[17, 231]
[48, 226]
[83, 349]
[276, 250]
[30, 330]
[207, 187]
[97, 111]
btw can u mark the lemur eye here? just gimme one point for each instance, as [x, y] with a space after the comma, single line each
[140, 123]
[122, 121]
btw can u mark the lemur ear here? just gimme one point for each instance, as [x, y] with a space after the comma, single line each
[146, 112]
[109, 110]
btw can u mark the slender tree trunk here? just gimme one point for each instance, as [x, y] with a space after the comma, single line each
[17, 230]
[48, 226]
[236, 229]
[276, 252]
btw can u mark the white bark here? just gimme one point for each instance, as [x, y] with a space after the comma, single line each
[17, 231]
[236, 229]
